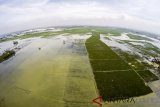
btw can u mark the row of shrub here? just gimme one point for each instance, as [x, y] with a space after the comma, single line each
[6, 55]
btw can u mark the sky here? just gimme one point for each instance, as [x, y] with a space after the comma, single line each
[18, 15]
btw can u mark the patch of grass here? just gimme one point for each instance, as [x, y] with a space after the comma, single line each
[30, 35]
[39, 34]
[103, 30]
[79, 30]
[115, 85]
[137, 37]
[151, 47]
[6, 39]
[147, 75]
[6, 55]
[147, 49]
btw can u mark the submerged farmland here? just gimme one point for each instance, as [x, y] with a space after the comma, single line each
[115, 79]
[56, 75]
[69, 67]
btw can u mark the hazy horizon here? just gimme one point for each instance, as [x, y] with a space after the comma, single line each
[17, 15]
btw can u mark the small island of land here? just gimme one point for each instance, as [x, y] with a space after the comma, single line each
[6, 55]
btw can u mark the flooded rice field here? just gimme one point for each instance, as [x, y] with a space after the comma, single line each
[53, 72]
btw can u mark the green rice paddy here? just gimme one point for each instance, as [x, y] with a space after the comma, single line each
[147, 75]
[141, 68]
[136, 37]
[123, 81]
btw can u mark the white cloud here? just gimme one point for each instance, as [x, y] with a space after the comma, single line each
[139, 14]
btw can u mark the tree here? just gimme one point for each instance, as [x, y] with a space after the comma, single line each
[15, 43]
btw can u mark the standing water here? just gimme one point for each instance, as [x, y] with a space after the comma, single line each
[52, 72]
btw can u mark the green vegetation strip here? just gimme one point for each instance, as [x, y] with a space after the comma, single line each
[107, 65]
[131, 59]
[139, 67]
[75, 30]
[6, 55]
[105, 30]
[147, 75]
[113, 85]
[99, 50]
[137, 37]
[30, 35]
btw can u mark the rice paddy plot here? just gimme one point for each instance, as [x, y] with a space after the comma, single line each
[131, 59]
[117, 85]
[98, 50]
[113, 85]
[147, 75]
[140, 67]
[108, 65]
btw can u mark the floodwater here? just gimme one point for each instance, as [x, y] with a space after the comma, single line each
[54, 72]
[49, 72]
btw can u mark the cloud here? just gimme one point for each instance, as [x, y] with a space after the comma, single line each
[24, 14]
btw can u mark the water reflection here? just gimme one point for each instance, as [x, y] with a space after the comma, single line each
[48, 72]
